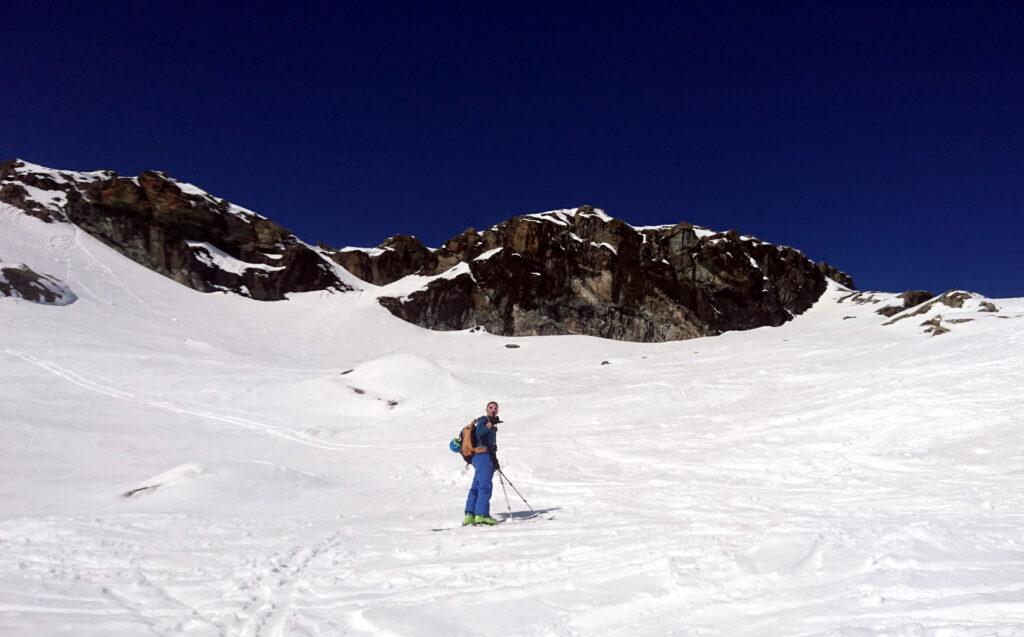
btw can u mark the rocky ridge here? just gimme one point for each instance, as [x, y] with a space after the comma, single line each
[570, 271]
[580, 271]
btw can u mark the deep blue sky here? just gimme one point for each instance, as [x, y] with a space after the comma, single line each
[887, 139]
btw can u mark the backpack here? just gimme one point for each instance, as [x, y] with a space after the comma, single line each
[464, 443]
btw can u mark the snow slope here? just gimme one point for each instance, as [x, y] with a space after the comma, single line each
[287, 462]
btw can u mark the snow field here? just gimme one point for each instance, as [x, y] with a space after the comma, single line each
[828, 477]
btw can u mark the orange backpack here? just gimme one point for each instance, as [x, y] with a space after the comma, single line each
[465, 442]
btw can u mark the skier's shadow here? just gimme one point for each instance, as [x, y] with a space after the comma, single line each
[523, 515]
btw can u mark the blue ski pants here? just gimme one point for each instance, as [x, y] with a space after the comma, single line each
[478, 502]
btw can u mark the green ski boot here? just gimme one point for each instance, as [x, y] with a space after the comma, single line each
[486, 520]
[468, 520]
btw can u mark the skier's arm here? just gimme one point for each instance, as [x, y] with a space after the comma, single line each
[484, 433]
[492, 438]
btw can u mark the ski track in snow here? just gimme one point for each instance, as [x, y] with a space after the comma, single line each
[828, 477]
[109, 273]
[246, 423]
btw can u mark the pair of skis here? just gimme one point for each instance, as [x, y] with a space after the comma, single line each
[533, 517]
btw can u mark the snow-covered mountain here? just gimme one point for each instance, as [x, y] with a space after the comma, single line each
[179, 462]
[574, 271]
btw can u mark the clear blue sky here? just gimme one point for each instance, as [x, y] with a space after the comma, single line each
[887, 139]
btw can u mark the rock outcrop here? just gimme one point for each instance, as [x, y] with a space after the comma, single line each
[946, 310]
[910, 298]
[22, 282]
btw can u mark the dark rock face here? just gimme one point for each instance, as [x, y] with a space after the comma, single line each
[21, 282]
[175, 229]
[582, 272]
[915, 297]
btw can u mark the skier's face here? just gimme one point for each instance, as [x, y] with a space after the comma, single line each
[492, 409]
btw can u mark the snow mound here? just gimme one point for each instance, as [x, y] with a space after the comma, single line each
[181, 474]
[193, 486]
[405, 377]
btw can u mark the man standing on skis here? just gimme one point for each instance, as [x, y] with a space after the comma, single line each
[485, 463]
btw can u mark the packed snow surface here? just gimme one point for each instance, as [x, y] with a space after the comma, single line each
[173, 462]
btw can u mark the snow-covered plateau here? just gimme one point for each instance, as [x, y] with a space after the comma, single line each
[174, 462]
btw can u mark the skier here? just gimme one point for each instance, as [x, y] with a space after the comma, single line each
[485, 463]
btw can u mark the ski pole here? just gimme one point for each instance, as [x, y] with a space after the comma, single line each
[508, 504]
[514, 488]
